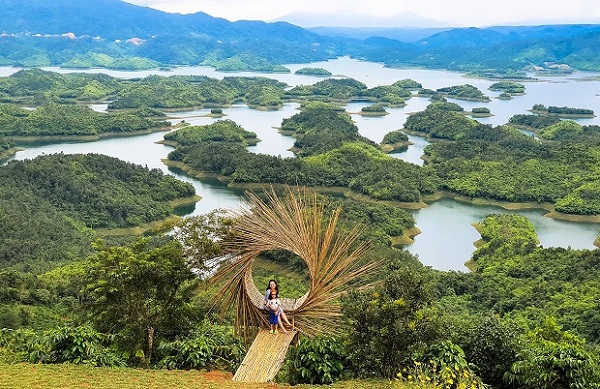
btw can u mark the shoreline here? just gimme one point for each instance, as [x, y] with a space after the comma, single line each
[9, 153]
[425, 202]
[153, 225]
[80, 138]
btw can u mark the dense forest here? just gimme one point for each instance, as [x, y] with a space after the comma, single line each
[522, 304]
[51, 205]
[525, 316]
[474, 160]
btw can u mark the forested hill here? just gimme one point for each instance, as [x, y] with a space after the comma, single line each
[116, 19]
[558, 48]
[116, 34]
[33, 35]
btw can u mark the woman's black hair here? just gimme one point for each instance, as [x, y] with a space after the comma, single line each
[276, 285]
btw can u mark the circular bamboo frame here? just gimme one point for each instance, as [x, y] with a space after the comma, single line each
[297, 223]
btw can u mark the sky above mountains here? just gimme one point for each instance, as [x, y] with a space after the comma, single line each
[391, 13]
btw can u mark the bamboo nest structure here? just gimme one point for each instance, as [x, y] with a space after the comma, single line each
[296, 222]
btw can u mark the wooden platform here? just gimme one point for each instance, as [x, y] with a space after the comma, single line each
[265, 357]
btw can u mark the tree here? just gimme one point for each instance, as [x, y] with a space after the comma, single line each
[388, 325]
[201, 237]
[554, 359]
[140, 293]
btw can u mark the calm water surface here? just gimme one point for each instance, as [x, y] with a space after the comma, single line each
[447, 235]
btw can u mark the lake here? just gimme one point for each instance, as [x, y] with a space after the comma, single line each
[447, 235]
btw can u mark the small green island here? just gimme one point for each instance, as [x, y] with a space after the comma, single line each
[563, 112]
[395, 141]
[480, 112]
[373, 110]
[463, 92]
[307, 71]
[216, 113]
[511, 87]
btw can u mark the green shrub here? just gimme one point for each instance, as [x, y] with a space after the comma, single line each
[78, 345]
[210, 347]
[316, 361]
[554, 359]
[443, 365]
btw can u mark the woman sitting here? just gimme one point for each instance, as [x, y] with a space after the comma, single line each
[273, 286]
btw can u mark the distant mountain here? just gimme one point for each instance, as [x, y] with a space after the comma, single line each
[463, 37]
[55, 31]
[501, 48]
[402, 34]
[109, 19]
[112, 33]
[352, 17]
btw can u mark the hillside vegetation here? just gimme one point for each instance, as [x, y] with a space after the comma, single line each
[115, 34]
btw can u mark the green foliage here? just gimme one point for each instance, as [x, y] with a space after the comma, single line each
[439, 123]
[445, 106]
[443, 365]
[333, 88]
[386, 92]
[89, 60]
[141, 293]
[480, 110]
[320, 130]
[555, 359]
[312, 104]
[265, 96]
[316, 361]
[382, 221]
[374, 108]
[569, 111]
[247, 62]
[80, 86]
[193, 91]
[91, 190]
[26, 300]
[502, 163]
[388, 324]
[61, 119]
[407, 83]
[584, 200]
[208, 347]
[313, 71]
[508, 87]
[466, 91]
[563, 130]
[535, 121]
[66, 344]
[492, 347]
[510, 232]
[219, 131]
[357, 165]
[134, 63]
[394, 137]
[201, 237]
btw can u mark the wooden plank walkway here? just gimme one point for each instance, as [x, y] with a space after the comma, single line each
[265, 357]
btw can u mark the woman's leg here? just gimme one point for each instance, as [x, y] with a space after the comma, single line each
[280, 323]
[283, 317]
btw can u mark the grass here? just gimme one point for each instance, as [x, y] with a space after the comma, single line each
[292, 284]
[33, 376]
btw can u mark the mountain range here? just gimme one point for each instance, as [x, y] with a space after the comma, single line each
[112, 33]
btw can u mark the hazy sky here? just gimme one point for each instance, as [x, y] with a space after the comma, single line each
[391, 13]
